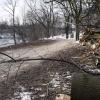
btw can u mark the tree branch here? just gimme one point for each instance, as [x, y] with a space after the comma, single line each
[78, 66]
[8, 56]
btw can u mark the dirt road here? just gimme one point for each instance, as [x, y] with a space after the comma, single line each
[43, 50]
[46, 50]
[37, 79]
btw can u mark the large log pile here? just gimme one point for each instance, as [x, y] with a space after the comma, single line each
[91, 39]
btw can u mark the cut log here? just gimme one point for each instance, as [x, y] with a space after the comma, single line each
[62, 97]
[85, 87]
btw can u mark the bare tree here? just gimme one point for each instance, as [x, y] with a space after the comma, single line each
[20, 30]
[11, 8]
[74, 9]
[3, 26]
[44, 16]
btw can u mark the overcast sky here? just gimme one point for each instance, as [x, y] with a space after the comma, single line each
[4, 15]
[21, 6]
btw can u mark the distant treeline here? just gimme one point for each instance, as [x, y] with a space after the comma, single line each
[29, 32]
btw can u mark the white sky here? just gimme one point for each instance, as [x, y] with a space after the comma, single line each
[4, 15]
[21, 6]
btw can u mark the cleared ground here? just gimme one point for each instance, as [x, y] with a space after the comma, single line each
[41, 51]
[38, 80]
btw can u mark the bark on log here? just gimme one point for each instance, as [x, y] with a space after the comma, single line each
[85, 87]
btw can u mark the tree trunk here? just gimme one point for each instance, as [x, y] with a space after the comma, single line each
[48, 33]
[77, 31]
[67, 26]
[23, 37]
[67, 31]
[14, 34]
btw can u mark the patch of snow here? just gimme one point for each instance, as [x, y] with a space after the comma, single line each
[57, 37]
[38, 89]
[73, 26]
[56, 80]
[68, 77]
[77, 41]
[68, 73]
[25, 95]
[44, 84]
[42, 95]
[22, 88]
[7, 40]
[3, 76]
[22, 95]
[96, 70]
[65, 87]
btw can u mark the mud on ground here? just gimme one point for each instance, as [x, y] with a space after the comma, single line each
[42, 82]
